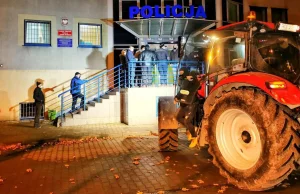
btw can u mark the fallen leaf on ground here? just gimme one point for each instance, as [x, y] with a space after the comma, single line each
[67, 165]
[117, 176]
[167, 158]
[112, 169]
[195, 186]
[185, 189]
[136, 159]
[136, 162]
[29, 170]
[223, 189]
[200, 181]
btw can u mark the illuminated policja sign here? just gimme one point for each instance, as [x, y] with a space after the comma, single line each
[176, 11]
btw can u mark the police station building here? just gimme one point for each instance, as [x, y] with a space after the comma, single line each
[50, 40]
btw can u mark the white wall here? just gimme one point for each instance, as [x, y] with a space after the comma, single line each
[139, 105]
[22, 66]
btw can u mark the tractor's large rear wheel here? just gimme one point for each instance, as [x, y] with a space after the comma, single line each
[255, 144]
[168, 140]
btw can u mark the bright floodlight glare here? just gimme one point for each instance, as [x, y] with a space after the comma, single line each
[214, 38]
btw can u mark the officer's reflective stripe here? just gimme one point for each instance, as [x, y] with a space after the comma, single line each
[184, 92]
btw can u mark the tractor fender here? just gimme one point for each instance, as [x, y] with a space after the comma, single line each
[290, 96]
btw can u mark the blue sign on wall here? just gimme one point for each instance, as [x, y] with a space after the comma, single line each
[176, 11]
[64, 42]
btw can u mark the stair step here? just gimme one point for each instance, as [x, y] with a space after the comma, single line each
[93, 103]
[105, 96]
[112, 93]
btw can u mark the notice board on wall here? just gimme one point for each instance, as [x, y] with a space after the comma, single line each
[64, 42]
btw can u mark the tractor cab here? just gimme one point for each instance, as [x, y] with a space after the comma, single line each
[252, 46]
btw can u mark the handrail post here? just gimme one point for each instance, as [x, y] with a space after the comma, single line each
[129, 74]
[84, 94]
[62, 109]
[98, 93]
[119, 78]
[125, 78]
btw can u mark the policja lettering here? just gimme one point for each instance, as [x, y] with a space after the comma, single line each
[175, 11]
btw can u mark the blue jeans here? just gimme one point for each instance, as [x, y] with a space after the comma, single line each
[163, 71]
[147, 75]
[131, 72]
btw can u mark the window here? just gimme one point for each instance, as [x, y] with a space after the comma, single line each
[37, 33]
[261, 13]
[234, 11]
[279, 15]
[90, 35]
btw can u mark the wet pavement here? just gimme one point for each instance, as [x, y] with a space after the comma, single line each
[114, 166]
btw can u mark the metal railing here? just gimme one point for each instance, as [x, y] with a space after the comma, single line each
[27, 111]
[91, 90]
[158, 73]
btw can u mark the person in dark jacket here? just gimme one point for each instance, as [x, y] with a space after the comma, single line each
[76, 83]
[163, 57]
[131, 65]
[147, 67]
[188, 99]
[123, 61]
[138, 70]
[39, 99]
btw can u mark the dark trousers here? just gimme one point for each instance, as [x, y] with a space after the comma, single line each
[75, 97]
[185, 116]
[38, 112]
[138, 75]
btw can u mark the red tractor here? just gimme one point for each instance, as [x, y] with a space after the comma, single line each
[252, 103]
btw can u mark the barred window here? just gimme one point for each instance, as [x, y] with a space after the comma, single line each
[37, 33]
[90, 35]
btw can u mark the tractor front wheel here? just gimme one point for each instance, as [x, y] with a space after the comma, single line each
[253, 141]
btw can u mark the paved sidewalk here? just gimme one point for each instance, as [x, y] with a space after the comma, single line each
[106, 165]
[101, 166]
[23, 132]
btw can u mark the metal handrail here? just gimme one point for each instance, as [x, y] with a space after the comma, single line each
[92, 89]
[97, 76]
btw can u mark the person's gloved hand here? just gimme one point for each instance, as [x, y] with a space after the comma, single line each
[176, 100]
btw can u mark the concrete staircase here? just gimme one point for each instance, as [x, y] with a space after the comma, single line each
[104, 110]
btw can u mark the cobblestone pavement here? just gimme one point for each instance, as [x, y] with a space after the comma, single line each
[23, 132]
[106, 167]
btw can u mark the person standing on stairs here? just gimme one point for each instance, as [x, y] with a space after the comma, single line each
[76, 83]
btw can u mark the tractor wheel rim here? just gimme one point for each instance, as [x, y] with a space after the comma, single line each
[238, 139]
